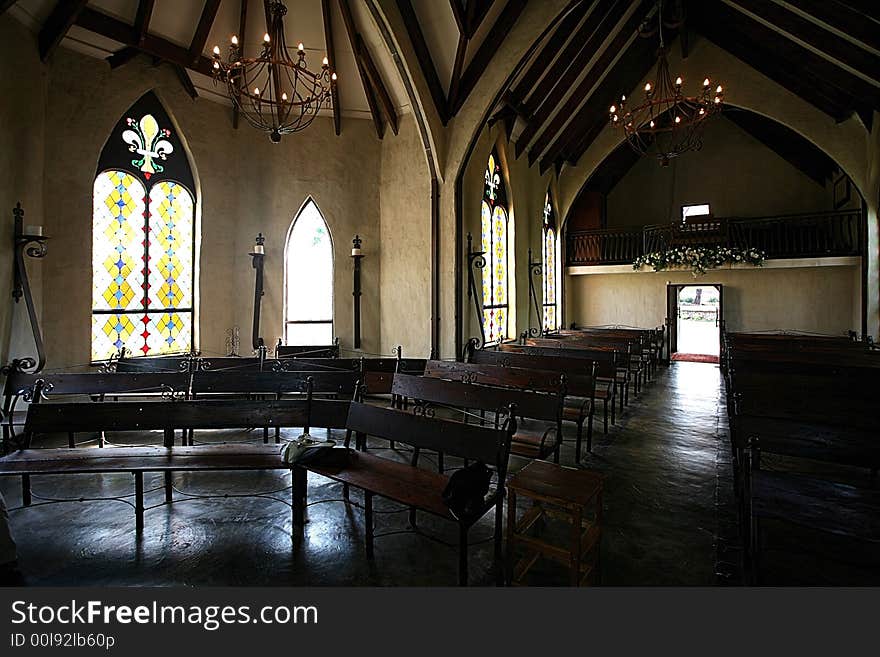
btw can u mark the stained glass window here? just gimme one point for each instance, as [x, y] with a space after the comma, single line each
[308, 275]
[550, 266]
[143, 243]
[494, 231]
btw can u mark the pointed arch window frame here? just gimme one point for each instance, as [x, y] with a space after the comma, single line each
[497, 250]
[152, 154]
[309, 202]
[550, 265]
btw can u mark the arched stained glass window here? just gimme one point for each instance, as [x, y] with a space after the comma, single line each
[549, 234]
[495, 246]
[143, 239]
[308, 276]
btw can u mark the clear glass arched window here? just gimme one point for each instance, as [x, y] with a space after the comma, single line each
[143, 239]
[495, 231]
[308, 280]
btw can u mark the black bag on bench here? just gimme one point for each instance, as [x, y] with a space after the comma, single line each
[467, 488]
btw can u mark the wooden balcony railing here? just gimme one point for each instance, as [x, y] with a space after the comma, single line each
[813, 235]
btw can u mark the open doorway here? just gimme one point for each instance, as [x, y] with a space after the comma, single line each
[694, 322]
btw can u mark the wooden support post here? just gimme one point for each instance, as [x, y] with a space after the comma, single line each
[139, 501]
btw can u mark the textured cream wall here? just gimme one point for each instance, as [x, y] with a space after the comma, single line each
[405, 229]
[246, 185]
[22, 103]
[736, 174]
[818, 299]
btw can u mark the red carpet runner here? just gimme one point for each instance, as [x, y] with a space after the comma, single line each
[695, 358]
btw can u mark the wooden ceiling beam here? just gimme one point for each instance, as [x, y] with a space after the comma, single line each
[457, 66]
[803, 72]
[483, 56]
[381, 92]
[477, 10]
[56, 26]
[549, 52]
[844, 16]
[577, 54]
[551, 127]
[203, 29]
[351, 31]
[423, 55]
[143, 17]
[185, 81]
[327, 18]
[122, 56]
[157, 47]
[638, 60]
[458, 14]
[819, 38]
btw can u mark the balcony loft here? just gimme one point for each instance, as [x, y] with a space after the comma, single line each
[838, 236]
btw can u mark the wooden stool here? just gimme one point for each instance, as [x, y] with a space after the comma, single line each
[560, 492]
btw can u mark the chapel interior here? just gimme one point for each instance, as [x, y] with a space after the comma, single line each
[438, 292]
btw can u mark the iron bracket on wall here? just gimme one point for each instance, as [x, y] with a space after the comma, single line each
[535, 269]
[258, 255]
[33, 246]
[476, 260]
[357, 255]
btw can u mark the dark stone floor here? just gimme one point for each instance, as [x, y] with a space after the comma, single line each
[668, 517]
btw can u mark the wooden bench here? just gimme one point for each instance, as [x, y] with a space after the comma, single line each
[545, 407]
[408, 484]
[307, 351]
[165, 416]
[35, 388]
[802, 402]
[579, 393]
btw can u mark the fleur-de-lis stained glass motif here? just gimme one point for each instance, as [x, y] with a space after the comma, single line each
[494, 233]
[549, 248]
[149, 142]
[143, 243]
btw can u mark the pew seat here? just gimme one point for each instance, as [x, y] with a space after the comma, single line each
[137, 461]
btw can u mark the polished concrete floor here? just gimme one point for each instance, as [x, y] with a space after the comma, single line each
[668, 516]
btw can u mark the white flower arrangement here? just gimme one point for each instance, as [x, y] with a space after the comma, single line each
[700, 258]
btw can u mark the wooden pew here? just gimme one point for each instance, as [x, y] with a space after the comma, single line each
[408, 484]
[544, 407]
[579, 388]
[605, 388]
[165, 416]
[611, 367]
[35, 388]
[807, 399]
[307, 351]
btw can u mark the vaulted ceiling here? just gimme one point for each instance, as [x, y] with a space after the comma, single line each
[182, 33]
[454, 40]
[825, 51]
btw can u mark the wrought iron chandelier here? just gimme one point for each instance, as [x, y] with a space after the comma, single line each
[275, 92]
[668, 123]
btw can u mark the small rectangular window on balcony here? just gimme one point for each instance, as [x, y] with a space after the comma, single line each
[699, 210]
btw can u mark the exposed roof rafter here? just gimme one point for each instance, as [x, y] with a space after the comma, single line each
[56, 26]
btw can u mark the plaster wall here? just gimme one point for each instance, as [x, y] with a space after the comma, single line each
[736, 174]
[22, 135]
[246, 185]
[816, 299]
[405, 239]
